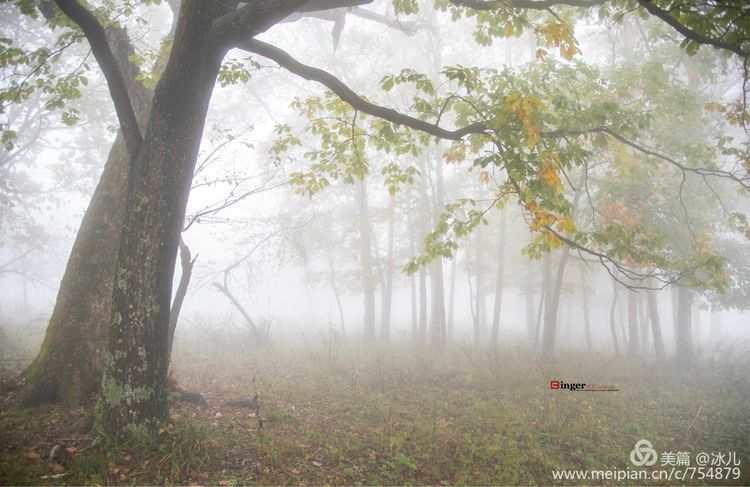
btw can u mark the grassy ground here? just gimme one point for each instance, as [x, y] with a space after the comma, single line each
[396, 416]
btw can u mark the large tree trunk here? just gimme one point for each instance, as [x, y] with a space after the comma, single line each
[134, 384]
[684, 331]
[68, 366]
[499, 284]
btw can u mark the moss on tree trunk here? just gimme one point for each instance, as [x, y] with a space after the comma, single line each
[68, 366]
[134, 384]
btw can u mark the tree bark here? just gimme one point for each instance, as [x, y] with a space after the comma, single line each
[68, 366]
[134, 383]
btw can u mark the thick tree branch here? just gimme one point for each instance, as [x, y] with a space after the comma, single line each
[666, 17]
[348, 95]
[97, 38]
[321, 5]
[251, 19]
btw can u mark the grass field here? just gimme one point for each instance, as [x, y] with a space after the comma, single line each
[350, 415]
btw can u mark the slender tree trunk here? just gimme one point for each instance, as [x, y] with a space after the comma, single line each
[586, 311]
[438, 203]
[675, 295]
[68, 366]
[696, 324]
[480, 317]
[186, 266]
[550, 311]
[715, 324]
[633, 339]
[643, 318]
[424, 219]
[258, 334]
[422, 332]
[683, 337]
[365, 255]
[134, 383]
[437, 324]
[337, 295]
[653, 312]
[529, 299]
[612, 317]
[499, 284]
[413, 279]
[451, 300]
[385, 309]
[544, 294]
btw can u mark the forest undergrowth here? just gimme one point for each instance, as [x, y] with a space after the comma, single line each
[328, 413]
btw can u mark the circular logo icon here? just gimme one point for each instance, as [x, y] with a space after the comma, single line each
[643, 454]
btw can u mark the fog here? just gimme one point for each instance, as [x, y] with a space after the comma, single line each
[592, 228]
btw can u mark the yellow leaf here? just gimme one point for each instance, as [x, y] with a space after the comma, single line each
[540, 54]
